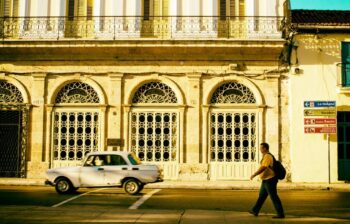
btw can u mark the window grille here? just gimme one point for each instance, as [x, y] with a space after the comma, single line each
[233, 137]
[233, 92]
[154, 136]
[9, 93]
[154, 92]
[74, 135]
[77, 92]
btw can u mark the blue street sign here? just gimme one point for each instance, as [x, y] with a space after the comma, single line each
[319, 103]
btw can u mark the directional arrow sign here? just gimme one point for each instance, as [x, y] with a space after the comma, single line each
[320, 112]
[313, 121]
[324, 130]
[319, 103]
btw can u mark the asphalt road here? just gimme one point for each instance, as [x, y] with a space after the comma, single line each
[327, 204]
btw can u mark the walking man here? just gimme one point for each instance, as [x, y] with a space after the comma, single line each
[268, 185]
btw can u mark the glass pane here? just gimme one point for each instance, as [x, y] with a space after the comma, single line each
[348, 151]
[341, 151]
[340, 117]
[347, 117]
[340, 134]
[347, 134]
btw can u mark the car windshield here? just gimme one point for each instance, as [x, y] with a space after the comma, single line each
[133, 159]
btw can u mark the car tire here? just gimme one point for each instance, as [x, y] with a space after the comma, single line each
[141, 187]
[63, 186]
[132, 186]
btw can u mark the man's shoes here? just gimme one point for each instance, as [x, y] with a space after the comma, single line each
[253, 213]
[278, 217]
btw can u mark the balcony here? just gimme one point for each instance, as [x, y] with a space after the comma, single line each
[135, 38]
[121, 28]
[343, 80]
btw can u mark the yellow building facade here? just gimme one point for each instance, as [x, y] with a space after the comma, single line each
[319, 49]
[193, 87]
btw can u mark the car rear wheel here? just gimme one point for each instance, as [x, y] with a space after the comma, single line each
[132, 186]
[63, 186]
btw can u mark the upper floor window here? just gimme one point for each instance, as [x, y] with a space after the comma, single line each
[146, 9]
[345, 74]
[231, 8]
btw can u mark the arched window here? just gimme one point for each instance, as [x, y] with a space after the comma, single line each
[9, 93]
[233, 131]
[76, 130]
[14, 115]
[155, 132]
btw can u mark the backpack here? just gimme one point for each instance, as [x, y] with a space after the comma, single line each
[278, 168]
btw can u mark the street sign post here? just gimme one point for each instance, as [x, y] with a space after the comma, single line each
[326, 114]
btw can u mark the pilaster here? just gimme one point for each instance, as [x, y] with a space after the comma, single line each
[115, 116]
[194, 143]
[38, 131]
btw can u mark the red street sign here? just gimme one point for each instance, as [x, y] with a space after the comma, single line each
[311, 121]
[320, 130]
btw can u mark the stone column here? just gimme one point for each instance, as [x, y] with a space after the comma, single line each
[115, 121]
[194, 149]
[205, 128]
[125, 125]
[272, 113]
[194, 167]
[38, 164]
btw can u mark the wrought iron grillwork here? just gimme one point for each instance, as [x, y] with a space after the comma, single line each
[77, 92]
[9, 93]
[343, 74]
[154, 136]
[233, 92]
[13, 137]
[154, 92]
[126, 27]
[74, 135]
[232, 137]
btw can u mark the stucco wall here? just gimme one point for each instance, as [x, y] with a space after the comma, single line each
[317, 56]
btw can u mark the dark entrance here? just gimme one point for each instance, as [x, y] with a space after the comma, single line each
[343, 120]
[10, 143]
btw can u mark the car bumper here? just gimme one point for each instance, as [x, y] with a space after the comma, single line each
[47, 182]
[159, 180]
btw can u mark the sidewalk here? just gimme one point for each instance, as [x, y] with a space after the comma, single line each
[82, 214]
[223, 185]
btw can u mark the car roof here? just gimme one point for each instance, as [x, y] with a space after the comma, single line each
[109, 153]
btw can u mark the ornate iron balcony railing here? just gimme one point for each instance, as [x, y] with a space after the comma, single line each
[115, 28]
[343, 74]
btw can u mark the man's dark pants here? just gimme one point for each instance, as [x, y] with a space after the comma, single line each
[269, 187]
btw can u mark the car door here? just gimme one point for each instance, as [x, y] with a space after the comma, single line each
[115, 169]
[92, 172]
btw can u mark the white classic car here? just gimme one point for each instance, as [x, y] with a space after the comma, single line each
[104, 169]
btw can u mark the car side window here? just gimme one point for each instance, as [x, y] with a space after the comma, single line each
[89, 161]
[99, 160]
[117, 160]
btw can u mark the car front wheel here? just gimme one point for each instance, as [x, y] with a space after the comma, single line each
[63, 186]
[132, 186]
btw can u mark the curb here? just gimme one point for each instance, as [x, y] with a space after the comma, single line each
[204, 185]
